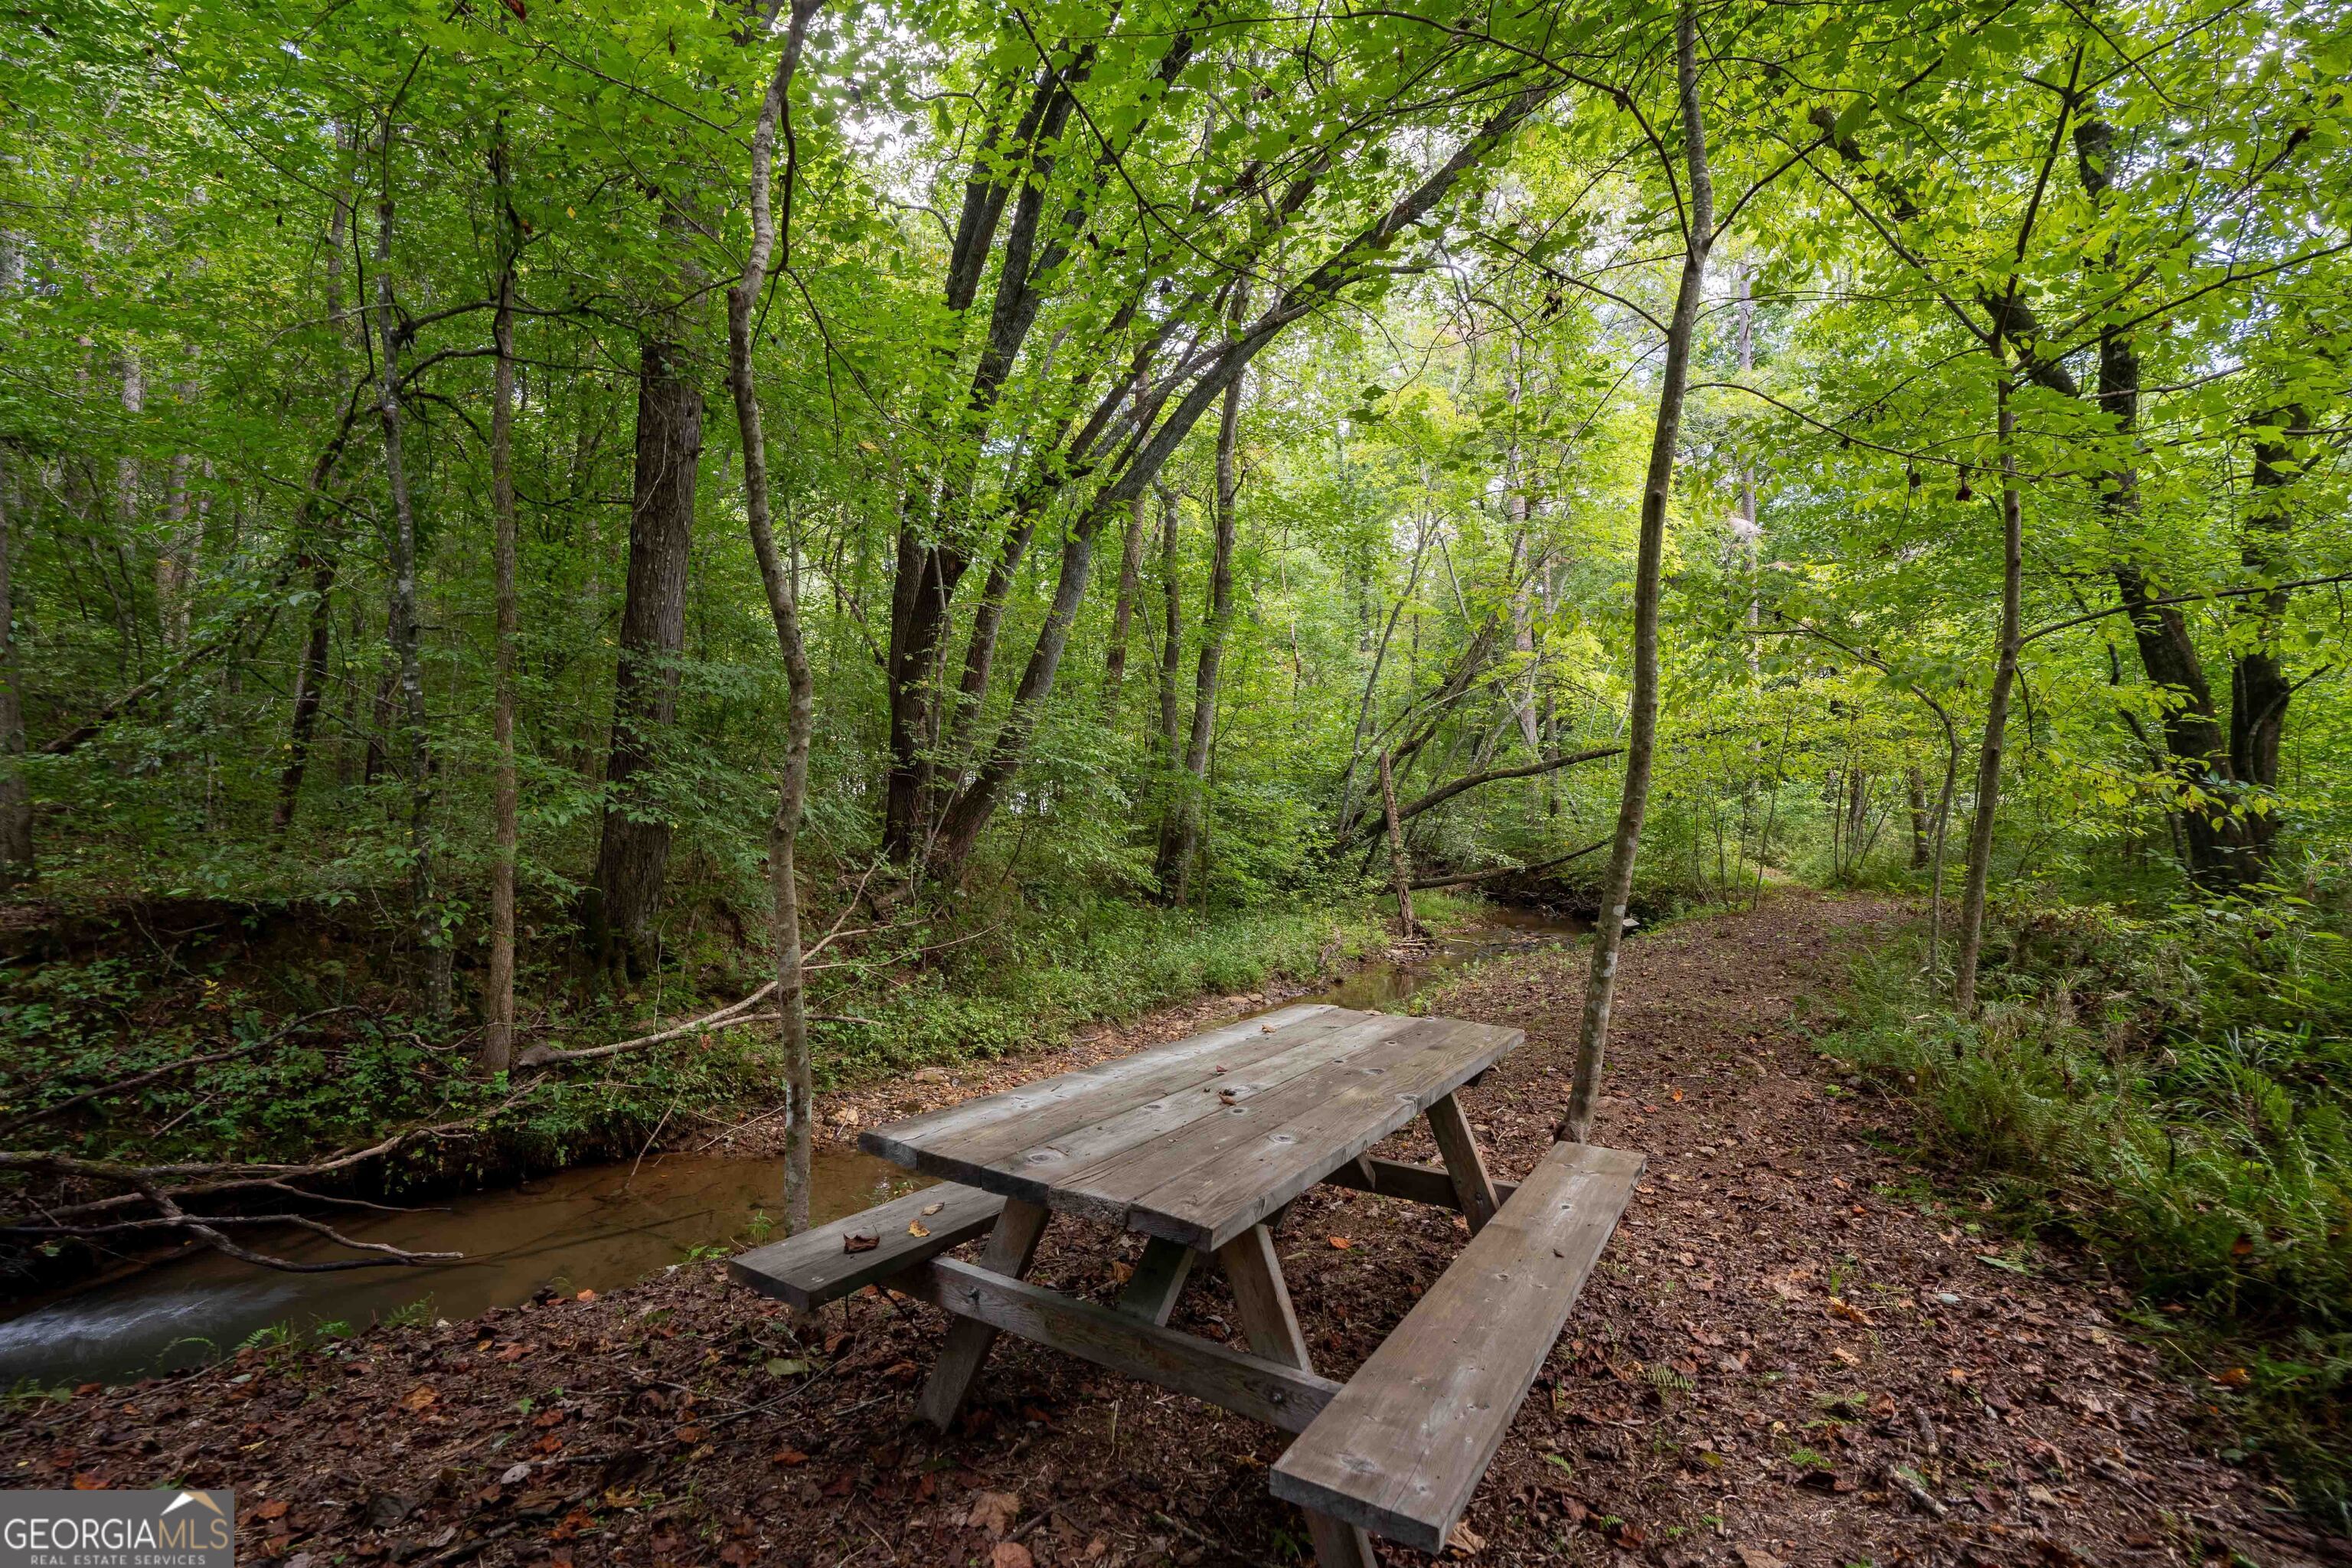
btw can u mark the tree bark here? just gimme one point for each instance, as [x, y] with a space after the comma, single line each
[499, 985]
[1171, 639]
[633, 854]
[1130, 576]
[1989, 755]
[2258, 687]
[1399, 864]
[1915, 794]
[432, 941]
[1183, 849]
[778, 578]
[1641, 741]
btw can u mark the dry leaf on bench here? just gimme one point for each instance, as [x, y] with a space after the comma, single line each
[917, 1227]
[933, 1208]
[856, 1241]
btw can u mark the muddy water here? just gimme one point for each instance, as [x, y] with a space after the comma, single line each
[588, 1230]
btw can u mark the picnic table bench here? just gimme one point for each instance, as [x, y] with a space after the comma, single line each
[1199, 1145]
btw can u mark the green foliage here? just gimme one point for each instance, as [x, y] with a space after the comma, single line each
[2174, 1091]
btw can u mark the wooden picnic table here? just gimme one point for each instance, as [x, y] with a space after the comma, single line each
[1198, 1145]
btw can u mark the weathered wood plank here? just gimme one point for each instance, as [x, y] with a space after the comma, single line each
[1262, 1300]
[1089, 1170]
[1157, 1281]
[1075, 1099]
[1405, 1443]
[1414, 1183]
[1010, 1245]
[811, 1268]
[1222, 1180]
[1262, 1389]
[1466, 1167]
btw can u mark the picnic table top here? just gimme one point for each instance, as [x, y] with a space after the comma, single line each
[1200, 1139]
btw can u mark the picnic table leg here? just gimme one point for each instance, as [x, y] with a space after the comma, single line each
[1263, 1303]
[1010, 1247]
[1158, 1278]
[1472, 1185]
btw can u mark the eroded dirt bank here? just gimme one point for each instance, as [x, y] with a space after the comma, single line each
[1790, 1355]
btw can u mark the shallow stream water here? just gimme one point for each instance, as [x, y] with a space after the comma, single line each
[590, 1228]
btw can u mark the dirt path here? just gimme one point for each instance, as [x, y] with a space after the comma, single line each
[1790, 1355]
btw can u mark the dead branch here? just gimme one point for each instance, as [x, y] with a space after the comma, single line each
[1508, 871]
[1445, 793]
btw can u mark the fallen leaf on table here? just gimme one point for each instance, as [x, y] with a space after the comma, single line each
[933, 1208]
[1340, 1244]
[994, 1511]
[1011, 1555]
[917, 1227]
[1227, 1095]
[855, 1242]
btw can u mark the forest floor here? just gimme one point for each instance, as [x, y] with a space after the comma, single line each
[1793, 1353]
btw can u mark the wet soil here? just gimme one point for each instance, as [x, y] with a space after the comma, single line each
[1793, 1353]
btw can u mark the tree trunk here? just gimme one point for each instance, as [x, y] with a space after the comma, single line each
[1989, 755]
[1171, 639]
[777, 577]
[499, 987]
[1400, 865]
[2220, 851]
[634, 853]
[1130, 575]
[1641, 741]
[17, 865]
[1192, 790]
[432, 942]
[2258, 687]
[1914, 796]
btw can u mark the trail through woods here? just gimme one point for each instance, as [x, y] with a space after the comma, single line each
[1790, 1356]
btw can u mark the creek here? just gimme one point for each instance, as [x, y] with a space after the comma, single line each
[589, 1228]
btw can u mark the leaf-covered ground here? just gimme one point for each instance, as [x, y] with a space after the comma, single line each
[1793, 1354]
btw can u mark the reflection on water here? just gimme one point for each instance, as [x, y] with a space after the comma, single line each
[587, 1229]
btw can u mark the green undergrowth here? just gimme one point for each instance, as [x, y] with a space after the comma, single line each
[2175, 1090]
[351, 1076]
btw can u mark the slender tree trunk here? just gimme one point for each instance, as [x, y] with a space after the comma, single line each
[1989, 755]
[16, 864]
[499, 985]
[1399, 864]
[1943, 829]
[1172, 641]
[1193, 788]
[2259, 690]
[1641, 741]
[1914, 796]
[633, 854]
[432, 942]
[1130, 575]
[777, 576]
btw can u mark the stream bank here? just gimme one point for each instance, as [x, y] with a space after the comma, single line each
[597, 1227]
